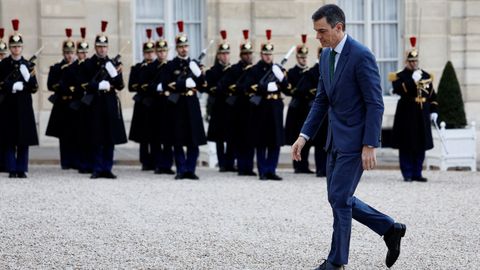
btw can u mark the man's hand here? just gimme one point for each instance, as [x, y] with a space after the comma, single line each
[369, 160]
[297, 148]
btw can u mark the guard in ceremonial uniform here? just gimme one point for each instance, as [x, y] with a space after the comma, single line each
[63, 122]
[238, 108]
[17, 121]
[140, 76]
[105, 127]
[417, 107]
[303, 87]
[266, 81]
[298, 107]
[3, 54]
[162, 147]
[219, 119]
[85, 159]
[183, 79]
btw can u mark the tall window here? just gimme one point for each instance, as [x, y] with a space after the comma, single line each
[166, 13]
[376, 23]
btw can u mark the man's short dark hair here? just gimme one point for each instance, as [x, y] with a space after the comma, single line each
[333, 13]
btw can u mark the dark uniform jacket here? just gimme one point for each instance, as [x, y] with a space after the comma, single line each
[185, 123]
[412, 127]
[17, 120]
[266, 119]
[219, 118]
[141, 76]
[159, 117]
[65, 114]
[238, 104]
[303, 94]
[104, 120]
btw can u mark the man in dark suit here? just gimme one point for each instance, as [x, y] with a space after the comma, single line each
[349, 89]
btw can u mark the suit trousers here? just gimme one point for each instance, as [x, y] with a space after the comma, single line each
[344, 171]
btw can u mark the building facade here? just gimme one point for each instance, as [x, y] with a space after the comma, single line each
[446, 30]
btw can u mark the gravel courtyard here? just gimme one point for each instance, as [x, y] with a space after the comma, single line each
[63, 220]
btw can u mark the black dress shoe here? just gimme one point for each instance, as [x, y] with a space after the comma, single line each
[263, 177]
[168, 171]
[419, 179]
[274, 177]
[249, 173]
[147, 168]
[231, 169]
[328, 266]
[407, 179]
[109, 175]
[158, 171]
[321, 174]
[84, 171]
[191, 176]
[95, 175]
[222, 169]
[22, 175]
[12, 175]
[393, 239]
[179, 176]
[306, 171]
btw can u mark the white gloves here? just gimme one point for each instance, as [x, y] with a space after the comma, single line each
[17, 87]
[195, 69]
[25, 72]
[272, 87]
[417, 75]
[159, 87]
[104, 85]
[190, 83]
[112, 71]
[277, 71]
[434, 117]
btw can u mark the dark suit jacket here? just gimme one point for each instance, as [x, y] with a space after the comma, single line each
[353, 100]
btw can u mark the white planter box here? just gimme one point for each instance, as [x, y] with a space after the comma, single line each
[459, 149]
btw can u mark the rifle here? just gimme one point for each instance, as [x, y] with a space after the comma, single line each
[15, 74]
[102, 73]
[233, 98]
[270, 77]
[173, 97]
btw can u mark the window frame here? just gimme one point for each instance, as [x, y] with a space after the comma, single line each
[169, 27]
[368, 24]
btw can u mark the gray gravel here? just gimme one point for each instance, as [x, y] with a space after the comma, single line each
[59, 219]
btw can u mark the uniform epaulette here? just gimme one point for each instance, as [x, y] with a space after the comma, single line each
[392, 76]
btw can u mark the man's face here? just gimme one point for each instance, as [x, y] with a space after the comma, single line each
[149, 56]
[412, 64]
[247, 58]
[267, 58]
[328, 36]
[162, 55]
[2, 56]
[302, 60]
[101, 51]
[16, 50]
[81, 55]
[224, 58]
[182, 51]
[69, 56]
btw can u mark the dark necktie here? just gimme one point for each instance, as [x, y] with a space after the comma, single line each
[332, 63]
